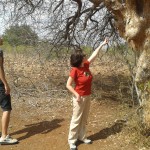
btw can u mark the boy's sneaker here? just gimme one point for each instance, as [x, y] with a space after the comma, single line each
[8, 140]
[86, 141]
[72, 146]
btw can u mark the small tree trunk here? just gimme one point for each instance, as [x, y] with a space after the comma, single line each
[142, 79]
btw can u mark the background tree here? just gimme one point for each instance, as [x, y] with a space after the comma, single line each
[20, 35]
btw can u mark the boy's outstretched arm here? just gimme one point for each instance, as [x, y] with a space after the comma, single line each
[95, 53]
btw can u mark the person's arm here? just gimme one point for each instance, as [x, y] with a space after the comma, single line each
[71, 89]
[2, 76]
[95, 53]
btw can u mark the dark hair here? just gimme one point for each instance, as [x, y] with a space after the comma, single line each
[76, 58]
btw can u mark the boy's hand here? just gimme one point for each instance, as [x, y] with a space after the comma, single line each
[7, 89]
[105, 41]
[78, 98]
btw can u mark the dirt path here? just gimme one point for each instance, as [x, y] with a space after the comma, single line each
[49, 130]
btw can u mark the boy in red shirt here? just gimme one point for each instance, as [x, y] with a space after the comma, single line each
[81, 75]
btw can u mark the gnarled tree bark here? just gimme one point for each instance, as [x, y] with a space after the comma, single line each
[132, 20]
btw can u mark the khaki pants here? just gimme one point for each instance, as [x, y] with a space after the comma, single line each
[79, 119]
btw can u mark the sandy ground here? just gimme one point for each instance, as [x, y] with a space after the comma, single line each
[36, 130]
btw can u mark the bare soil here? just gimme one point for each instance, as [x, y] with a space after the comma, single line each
[49, 130]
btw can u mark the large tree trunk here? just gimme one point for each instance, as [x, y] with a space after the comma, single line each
[132, 20]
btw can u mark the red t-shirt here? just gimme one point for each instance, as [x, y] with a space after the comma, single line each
[83, 79]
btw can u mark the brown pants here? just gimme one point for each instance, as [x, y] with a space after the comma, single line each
[79, 119]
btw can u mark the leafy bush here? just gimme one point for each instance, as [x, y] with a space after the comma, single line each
[20, 35]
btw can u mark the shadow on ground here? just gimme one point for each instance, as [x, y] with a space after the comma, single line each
[105, 133]
[38, 128]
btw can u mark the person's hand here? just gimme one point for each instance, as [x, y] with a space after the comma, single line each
[7, 89]
[78, 98]
[105, 41]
